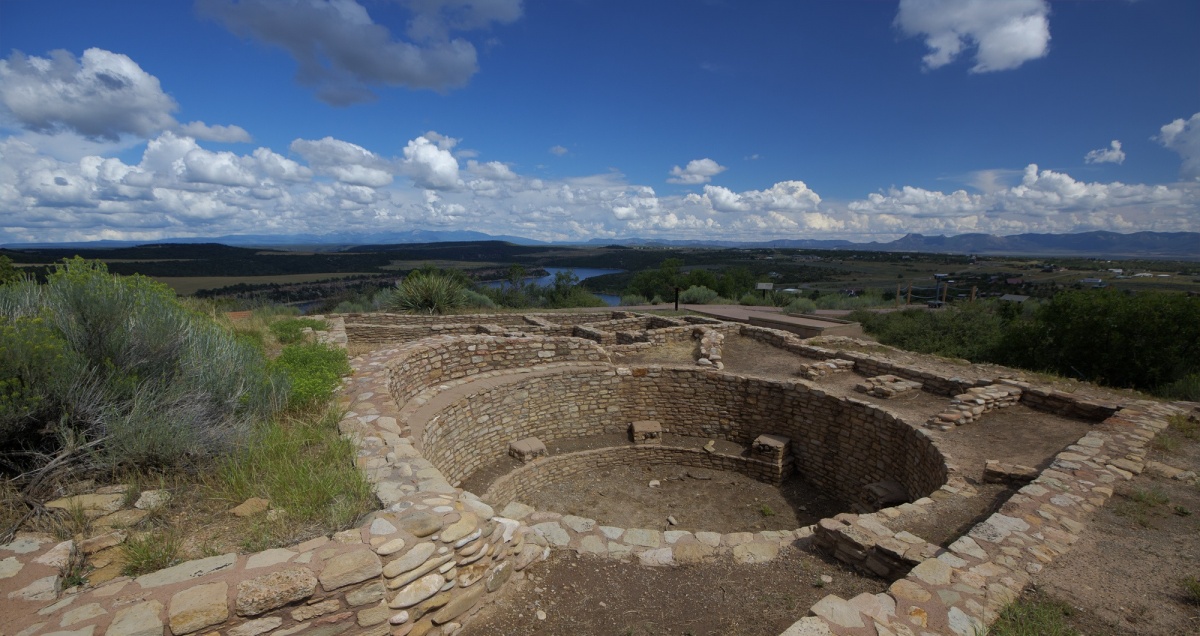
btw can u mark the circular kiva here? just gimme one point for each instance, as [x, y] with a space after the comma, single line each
[844, 446]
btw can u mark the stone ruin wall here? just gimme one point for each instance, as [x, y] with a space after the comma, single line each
[476, 430]
[419, 366]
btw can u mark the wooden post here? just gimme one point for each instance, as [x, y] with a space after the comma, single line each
[945, 289]
[897, 295]
[973, 290]
[908, 301]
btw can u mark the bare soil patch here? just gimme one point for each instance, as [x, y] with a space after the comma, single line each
[747, 356]
[670, 353]
[590, 596]
[1125, 575]
[698, 499]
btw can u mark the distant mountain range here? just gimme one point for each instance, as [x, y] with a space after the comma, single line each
[1183, 245]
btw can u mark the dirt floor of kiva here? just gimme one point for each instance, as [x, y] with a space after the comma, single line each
[576, 595]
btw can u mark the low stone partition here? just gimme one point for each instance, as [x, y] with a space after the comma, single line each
[866, 364]
[961, 589]
[419, 365]
[589, 333]
[527, 479]
[841, 444]
[818, 370]
[970, 406]
[1061, 403]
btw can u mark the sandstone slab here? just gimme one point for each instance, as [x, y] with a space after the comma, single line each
[271, 591]
[195, 608]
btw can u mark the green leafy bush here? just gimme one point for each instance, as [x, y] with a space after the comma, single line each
[119, 365]
[633, 300]
[313, 372]
[800, 305]
[474, 299]
[697, 295]
[291, 330]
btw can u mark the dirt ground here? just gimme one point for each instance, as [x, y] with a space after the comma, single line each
[1125, 575]
[585, 596]
[698, 499]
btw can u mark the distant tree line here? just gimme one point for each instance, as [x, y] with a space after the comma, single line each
[1148, 341]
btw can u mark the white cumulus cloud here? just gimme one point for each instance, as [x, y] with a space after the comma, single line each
[558, 150]
[431, 166]
[696, 171]
[1112, 154]
[1183, 136]
[1003, 33]
[100, 95]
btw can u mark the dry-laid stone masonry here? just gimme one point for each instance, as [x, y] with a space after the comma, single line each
[450, 389]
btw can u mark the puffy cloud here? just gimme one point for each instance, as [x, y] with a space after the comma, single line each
[430, 165]
[1112, 154]
[344, 161]
[558, 150]
[227, 134]
[1044, 201]
[696, 172]
[342, 52]
[101, 95]
[789, 196]
[1004, 33]
[281, 168]
[493, 170]
[1183, 136]
[180, 188]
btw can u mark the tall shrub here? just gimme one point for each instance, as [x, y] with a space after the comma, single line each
[125, 366]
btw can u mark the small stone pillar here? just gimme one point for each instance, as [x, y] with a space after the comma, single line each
[770, 448]
[527, 449]
[645, 432]
[775, 450]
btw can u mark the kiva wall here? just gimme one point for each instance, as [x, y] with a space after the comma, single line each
[840, 444]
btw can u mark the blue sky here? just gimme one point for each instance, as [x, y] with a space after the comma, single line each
[577, 119]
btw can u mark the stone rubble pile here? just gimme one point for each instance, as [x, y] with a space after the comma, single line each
[887, 386]
[968, 407]
[710, 347]
[818, 370]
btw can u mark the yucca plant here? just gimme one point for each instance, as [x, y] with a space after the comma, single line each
[427, 292]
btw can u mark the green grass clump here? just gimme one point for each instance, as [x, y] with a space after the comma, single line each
[1153, 496]
[697, 295]
[313, 372]
[1034, 617]
[150, 552]
[303, 467]
[291, 330]
[1184, 426]
[1191, 590]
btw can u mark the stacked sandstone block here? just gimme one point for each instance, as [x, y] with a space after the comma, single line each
[416, 571]
[968, 407]
[818, 370]
[710, 347]
[887, 386]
